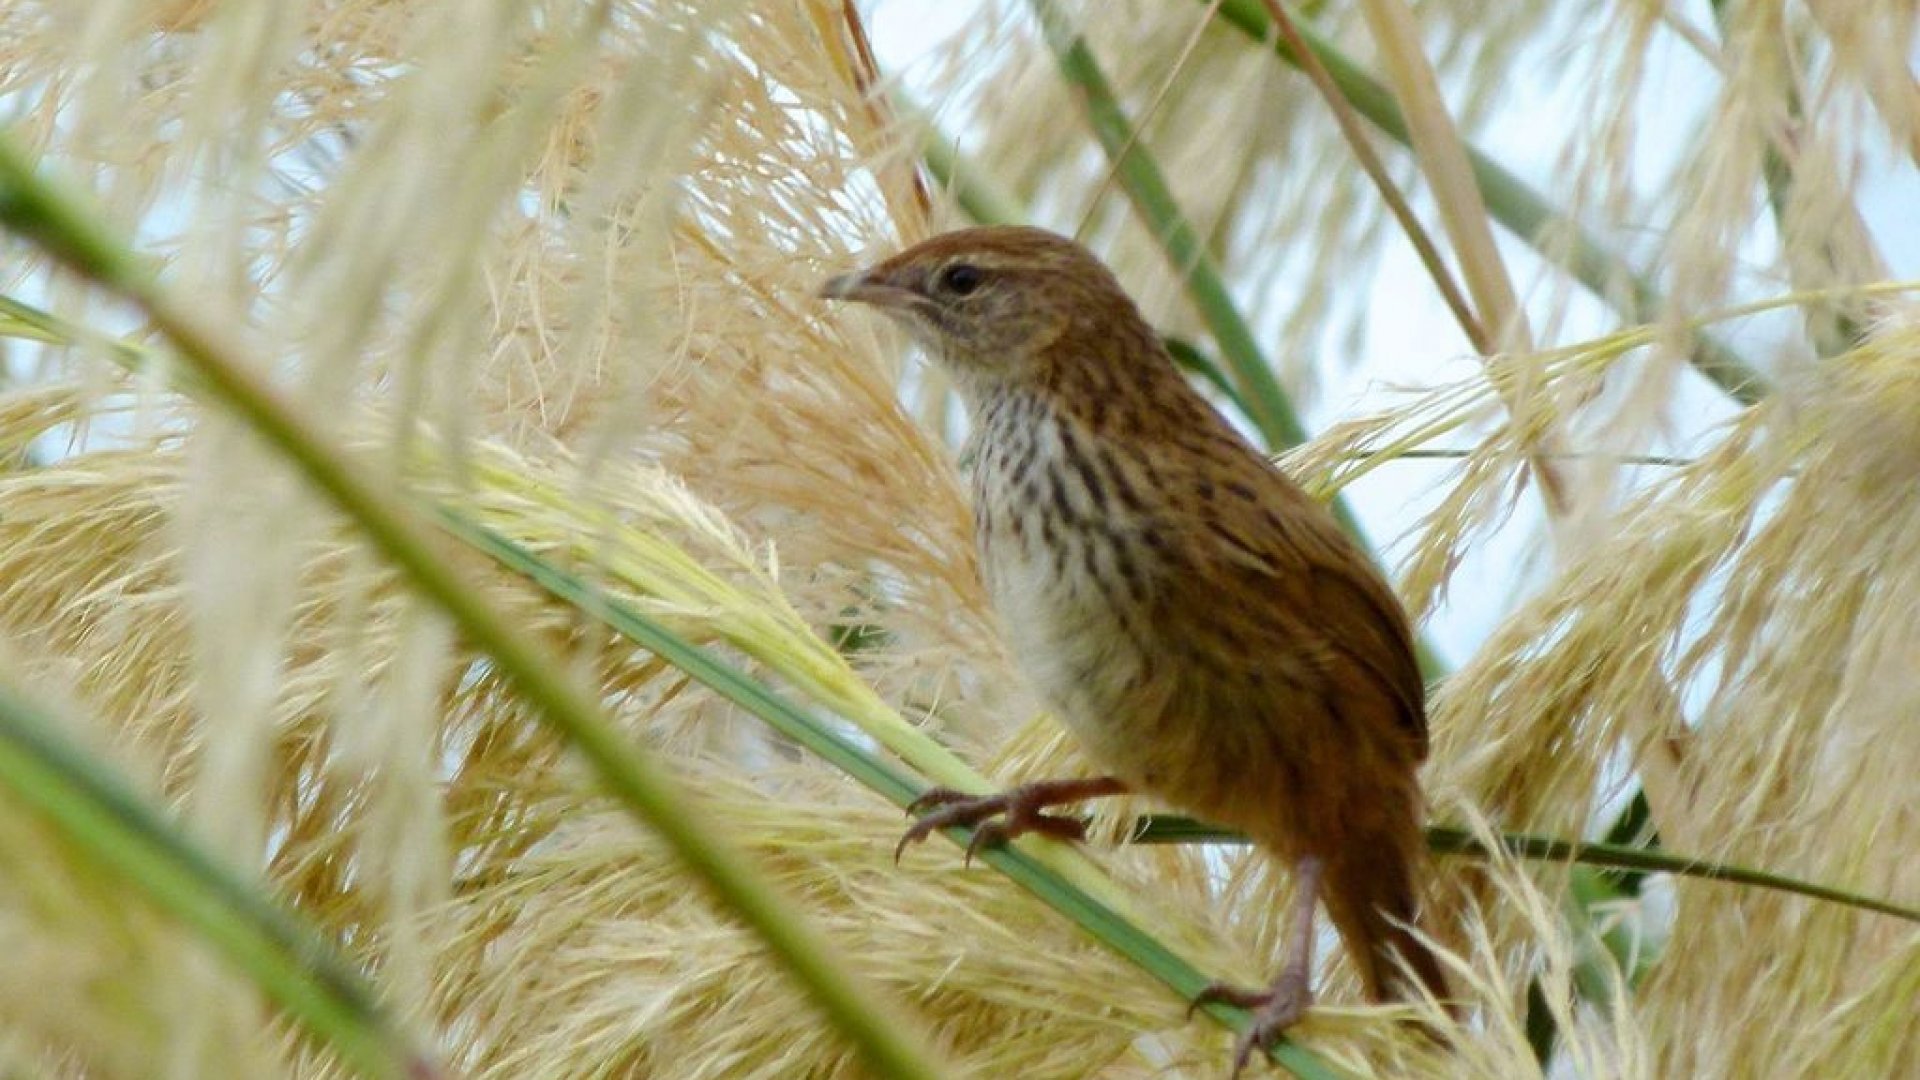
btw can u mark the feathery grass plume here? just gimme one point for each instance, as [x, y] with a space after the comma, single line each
[1811, 709]
[512, 810]
[90, 986]
[1599, 1037]
[113, 618]
[389, 264]
[788, 422]
[1766, 581]
[1216, 160]
[580, 241]
[1482, 491]
[88, 589]
[1266, 179]
[1764, 194]
[592, 950]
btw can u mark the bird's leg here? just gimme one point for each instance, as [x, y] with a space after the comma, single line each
[1281, 1005]
[1018, 809]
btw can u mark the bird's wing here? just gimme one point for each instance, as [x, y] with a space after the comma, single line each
[1295, 585]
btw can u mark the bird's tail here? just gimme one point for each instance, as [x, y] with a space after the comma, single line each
[1370, 893]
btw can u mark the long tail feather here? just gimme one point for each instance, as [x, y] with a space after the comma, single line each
[1369, 892]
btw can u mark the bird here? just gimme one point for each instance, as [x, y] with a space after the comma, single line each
[1207, 631]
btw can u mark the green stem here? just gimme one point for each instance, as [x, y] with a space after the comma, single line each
[1515, 205]
[34, 209]
[98, 814]
[1168, 829]
[979, 198]
[1267, 402]
[1105, 925]
[984, 203]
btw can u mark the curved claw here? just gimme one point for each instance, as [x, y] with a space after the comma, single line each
[1274, 1011]
[915, 833]
[985, 834]
[1019, 809]
[949, 807]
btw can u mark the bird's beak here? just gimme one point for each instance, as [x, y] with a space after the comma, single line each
[868, 287]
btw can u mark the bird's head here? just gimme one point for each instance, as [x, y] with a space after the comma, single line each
[1003, 306]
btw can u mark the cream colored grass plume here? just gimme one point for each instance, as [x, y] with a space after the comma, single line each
[552, 264]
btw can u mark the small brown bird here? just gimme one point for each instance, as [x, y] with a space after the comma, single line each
[1202, 625]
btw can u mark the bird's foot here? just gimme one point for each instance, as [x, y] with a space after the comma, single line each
[1274, 1009]
[1018, 810]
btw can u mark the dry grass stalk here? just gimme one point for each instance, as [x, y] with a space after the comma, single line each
[599, 269]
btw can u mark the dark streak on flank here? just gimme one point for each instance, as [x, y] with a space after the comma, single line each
[1082, 467]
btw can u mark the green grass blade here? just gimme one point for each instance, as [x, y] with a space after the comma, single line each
[99, 816]
[985, 203]
[1268, 405]
[1169, 829]
[816, 734]
[732, 684]
[1260, 393]
[1515, 205]
[35, 209]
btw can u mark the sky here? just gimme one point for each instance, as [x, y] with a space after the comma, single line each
[1410, 338]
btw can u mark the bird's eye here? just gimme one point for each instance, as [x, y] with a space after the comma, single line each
[961, 279]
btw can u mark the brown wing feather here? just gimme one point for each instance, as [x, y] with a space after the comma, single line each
[1373, 633]
[1329, 606]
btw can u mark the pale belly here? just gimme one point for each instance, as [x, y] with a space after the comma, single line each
[1077, 649]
